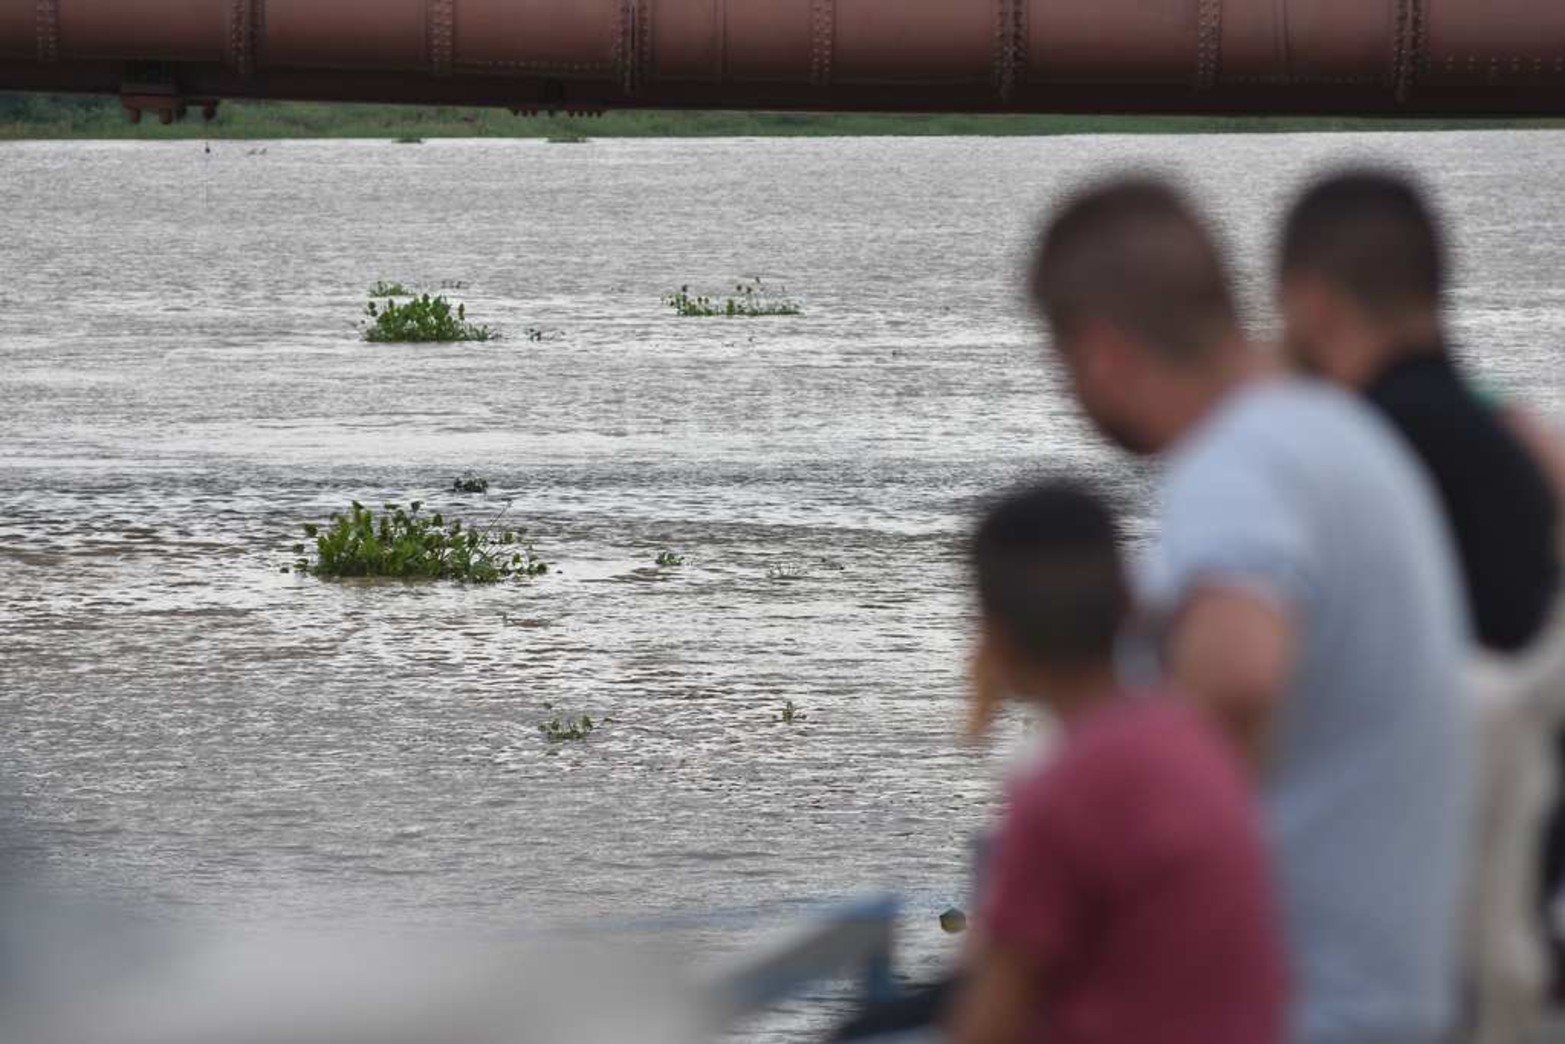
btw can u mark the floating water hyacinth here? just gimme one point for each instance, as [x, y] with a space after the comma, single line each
[424, 319]
[749, 300]
[470, 483]
[410, 545]
[557, 731]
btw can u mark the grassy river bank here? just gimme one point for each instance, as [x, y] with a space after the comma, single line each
[55, 117]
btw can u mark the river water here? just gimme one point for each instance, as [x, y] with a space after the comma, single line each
[182, 385]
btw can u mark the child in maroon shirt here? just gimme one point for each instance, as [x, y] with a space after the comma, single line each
[1129, 899]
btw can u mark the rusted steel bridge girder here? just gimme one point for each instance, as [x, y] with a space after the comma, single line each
[1390, 57]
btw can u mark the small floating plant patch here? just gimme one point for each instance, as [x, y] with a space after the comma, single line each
[749, 300]
[407, 544]
[425, 319]
[567, 731]
[470, 483]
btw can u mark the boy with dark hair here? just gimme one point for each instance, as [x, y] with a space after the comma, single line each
[1129, 898]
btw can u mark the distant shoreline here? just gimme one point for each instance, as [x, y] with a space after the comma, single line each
[65, 117]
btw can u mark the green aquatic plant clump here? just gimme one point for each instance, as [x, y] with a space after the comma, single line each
[749, 300]
[422, 320]
[669, 560]
[410, 545]
[557, 731]
[790, 570]
[470, 483]
[392, 289]
[791, 714]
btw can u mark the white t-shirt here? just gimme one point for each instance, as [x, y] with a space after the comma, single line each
[1297, 492]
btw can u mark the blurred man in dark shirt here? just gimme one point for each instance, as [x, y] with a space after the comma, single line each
[1363, 274]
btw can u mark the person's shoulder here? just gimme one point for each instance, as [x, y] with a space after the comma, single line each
[1128, 772]
[1448, 423]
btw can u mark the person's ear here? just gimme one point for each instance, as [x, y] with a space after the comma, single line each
[1100, 349]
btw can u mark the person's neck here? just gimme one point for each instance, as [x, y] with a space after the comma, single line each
[1233, 365]
[1074, 695]
[1368, 350]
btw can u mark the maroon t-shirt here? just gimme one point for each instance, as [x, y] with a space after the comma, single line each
[1131, 869]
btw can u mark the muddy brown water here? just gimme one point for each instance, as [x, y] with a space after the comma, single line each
[181, 385]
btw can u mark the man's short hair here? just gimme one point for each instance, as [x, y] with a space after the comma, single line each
[1134, 252]
[1050, 575]
[1372, 236]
